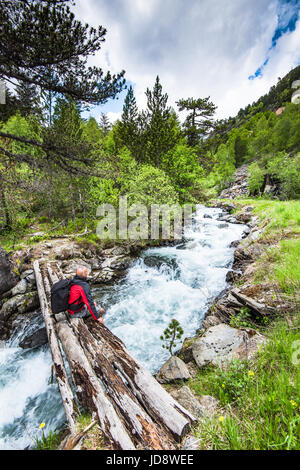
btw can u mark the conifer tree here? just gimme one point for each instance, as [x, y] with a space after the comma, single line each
[38, 36]
[128, 129]
[105, 125]
[199, 121]
[160, 126]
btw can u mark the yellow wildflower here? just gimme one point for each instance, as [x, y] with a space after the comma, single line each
[251, 373]
[42, 425]
[223, 385]
[293, 403]
[221, 419]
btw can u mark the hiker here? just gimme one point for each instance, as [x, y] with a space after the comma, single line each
[81, 303]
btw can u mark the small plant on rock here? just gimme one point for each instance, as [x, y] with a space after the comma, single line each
[172, 336]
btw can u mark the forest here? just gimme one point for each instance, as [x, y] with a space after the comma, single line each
[57, 167]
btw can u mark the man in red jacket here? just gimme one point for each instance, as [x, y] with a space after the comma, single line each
[81, 303]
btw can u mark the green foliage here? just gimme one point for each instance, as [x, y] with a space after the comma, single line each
[261, 401]
[242, 319]
[50, 442]
[151, 186]
[181, 165]
[256, 178]
[280, 168]
[224, 167]
[172, 336]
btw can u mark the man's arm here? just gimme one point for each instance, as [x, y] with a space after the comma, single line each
[88, 301]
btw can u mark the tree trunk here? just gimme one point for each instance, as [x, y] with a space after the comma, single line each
[89, 390]
[138, 422]
[60, 371]
[160, 405]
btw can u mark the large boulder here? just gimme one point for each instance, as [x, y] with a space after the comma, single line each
[222, 343]
[20, 303]
[67, 251]
[8, 277]
[36, 339]
[118, 262]
[172, 371]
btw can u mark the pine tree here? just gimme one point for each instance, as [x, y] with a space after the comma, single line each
[105, 125]
[29, 100]
[160, 126]
[198, 122]
[172, 336]
[128, 129]
[38, 36]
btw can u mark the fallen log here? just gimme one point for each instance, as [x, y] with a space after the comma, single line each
[160, 405]
[259, 308]
[138, 422]
[89, 390]
[133, 409]
[68, 399]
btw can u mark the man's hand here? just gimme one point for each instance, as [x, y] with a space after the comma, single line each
[100, 320]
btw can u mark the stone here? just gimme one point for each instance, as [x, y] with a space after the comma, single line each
[255, 235]
[232, 276]
[35, 340]
[69, 267]
[186, 353]
[20, 288]
[67, 251]
[222, 343]
[224, 225]
[8, 277]
[185, 398]
[208, 404]
[117, 262]
[26, 273]
[191, 443]
[207, 216]
[200, 406]
[20, 303]
[116, 251]
[210, 320]
[172, 371]
[246, 231]
[243, 217]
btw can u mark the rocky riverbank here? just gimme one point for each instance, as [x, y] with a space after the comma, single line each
[223, 336]
[20, 300]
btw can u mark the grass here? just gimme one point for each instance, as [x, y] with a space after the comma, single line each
[281, 216]
[49, 442]
[260, 401]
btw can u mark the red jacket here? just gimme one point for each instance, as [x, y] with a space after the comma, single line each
[80, 295]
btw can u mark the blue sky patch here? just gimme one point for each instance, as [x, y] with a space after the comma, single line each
[288, 15]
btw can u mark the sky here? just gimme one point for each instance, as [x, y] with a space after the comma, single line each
[230, 50]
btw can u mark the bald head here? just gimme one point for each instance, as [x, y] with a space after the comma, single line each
[82, 271]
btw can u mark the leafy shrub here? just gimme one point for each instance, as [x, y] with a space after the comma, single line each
[151, 186]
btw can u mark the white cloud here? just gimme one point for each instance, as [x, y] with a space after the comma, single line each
[113, 117]
[198, 48]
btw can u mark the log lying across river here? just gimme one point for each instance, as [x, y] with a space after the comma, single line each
[134, 411]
